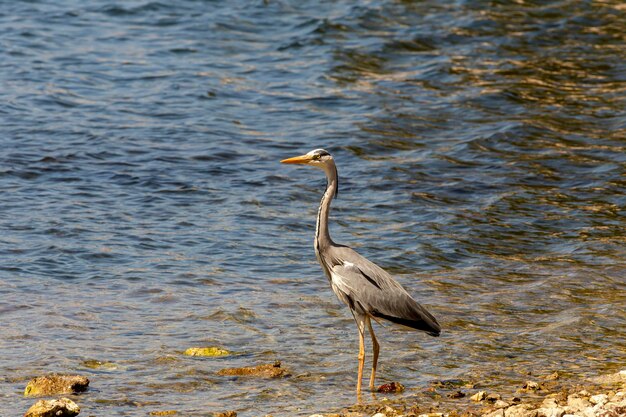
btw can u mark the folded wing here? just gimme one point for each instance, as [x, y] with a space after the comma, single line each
[369, 289]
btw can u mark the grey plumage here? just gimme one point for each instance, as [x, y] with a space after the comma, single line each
[367, 289]
[370, 290]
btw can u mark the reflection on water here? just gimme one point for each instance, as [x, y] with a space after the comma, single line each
[481, 153]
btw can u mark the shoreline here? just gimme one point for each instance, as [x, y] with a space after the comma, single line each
[548, 396]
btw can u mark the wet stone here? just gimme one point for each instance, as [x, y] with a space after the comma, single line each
[63, 407]
[552, 377]
[262, 371]
[456, 394]
[96, 364]
[479, 396]
[492, 398]
[225, 414]
[210, 351]
[56, 384]
[531, 386]
[610, 379]
[392, 387]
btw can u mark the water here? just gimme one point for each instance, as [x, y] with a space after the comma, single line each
[481, 152]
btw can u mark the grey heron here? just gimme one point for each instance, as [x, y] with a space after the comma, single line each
[367, 289]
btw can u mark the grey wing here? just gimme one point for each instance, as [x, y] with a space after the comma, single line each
[369, 289]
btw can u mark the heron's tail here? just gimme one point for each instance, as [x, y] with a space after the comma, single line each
[408, 312]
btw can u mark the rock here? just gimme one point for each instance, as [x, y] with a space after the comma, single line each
[263, 371]
[576, 403]
[63, 407]
[451, 383]
[610, 379]
[552, 377]
[497, 413]
[531, 386]
[429, 415]
[492, 398]
[56, 384]
[600, 399]
[456, 394]
[210, 351]
[164, 413]
[501, 404]
[392, 387]
[479, 396]
[379, 415]
[549, 402]
[225, 414]
[520, 410]
[96, 364]
[551, 412]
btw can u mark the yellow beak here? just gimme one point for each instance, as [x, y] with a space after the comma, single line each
[302, 159]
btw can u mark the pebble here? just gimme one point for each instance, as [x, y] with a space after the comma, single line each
[497, 413]
[520, 410]
[531, 386]
[577, 403]
[379, 415]
[501, 404]
[456, 394]
[599, 399]
[479, 396]
[551, 412]
[493, 397]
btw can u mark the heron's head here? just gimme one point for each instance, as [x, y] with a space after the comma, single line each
[318, 158]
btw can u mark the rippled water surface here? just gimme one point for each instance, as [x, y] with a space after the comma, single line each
[481, 148]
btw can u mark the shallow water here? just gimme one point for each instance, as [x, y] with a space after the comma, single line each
[481, 150]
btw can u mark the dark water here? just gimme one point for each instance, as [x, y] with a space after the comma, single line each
[481, 148]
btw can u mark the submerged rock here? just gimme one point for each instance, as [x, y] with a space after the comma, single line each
[552, 377]
[96, 364]
[263, 371]
[610, 379]
[210, 351]
[456, 394]
[164, 413]
[391, 387]
[56, 384]
[225, 414]
[63, 407]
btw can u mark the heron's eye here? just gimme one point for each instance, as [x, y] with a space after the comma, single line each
[316, 157]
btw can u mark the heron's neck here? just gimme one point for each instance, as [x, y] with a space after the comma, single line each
[322, 235]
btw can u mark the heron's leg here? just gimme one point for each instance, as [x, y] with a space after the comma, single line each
[376, 348]
[360, 322]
